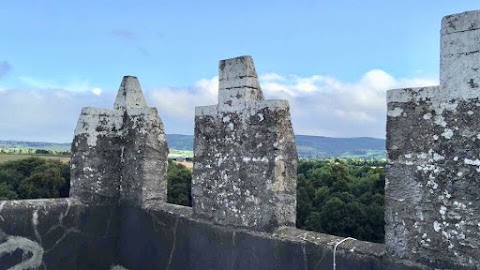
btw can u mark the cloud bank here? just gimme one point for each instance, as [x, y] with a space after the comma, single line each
[320, 105]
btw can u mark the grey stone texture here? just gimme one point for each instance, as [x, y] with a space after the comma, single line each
[120, 155]
[245, 176]
[245, 161]
[57, 234]
[432, 189]
[67, 234]
[460, 55]
[172, 238]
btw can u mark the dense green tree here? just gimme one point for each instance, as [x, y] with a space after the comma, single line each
[179, 184]
[335, 196]
[65, 188]
[32, 178]
[10, 177]
[341, 197]
[6, 192]
[41, 178]
[45, 183]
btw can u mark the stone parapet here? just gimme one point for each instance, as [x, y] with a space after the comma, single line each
[120, 155]
[245, 156]
[432, 192]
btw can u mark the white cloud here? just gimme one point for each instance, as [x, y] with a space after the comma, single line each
[44, 114]
[97, 91]
[181, 102]
[72, 85]
[210, 85]
[354, 115]
[320, 105]
[176, 105]
[323, 105]
[271, 76]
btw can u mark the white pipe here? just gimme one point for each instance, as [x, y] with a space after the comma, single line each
[335, 250]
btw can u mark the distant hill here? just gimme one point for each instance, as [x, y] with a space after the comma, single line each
[312, 146]
[307, 146]
[323, 147]
[35, 145]
[180, 142]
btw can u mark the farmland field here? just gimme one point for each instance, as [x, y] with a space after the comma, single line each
[9, 157]
[174, 153]
[187, 164]
[64, 158]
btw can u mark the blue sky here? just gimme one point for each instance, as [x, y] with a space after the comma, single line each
[333, 60]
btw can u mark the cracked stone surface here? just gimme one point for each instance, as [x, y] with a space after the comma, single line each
[120, 154]
[244, 176]
[460, 55]
[177, 240]
[245, 156]
[432, 189]
[66, 234]
[52, 234]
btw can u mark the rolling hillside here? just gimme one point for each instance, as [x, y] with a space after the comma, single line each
[307, 146]
[35, 145]
[323, 147]
[312, 146]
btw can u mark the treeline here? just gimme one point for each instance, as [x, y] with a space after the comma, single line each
[342, 197]
[33, 178]
[339, 197]
[32, 151]
[179, 184]
[335, 196]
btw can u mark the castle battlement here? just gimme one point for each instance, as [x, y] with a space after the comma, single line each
[244, 183]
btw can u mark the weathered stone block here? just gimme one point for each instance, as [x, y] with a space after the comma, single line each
[460, 55]
[432, 191]
[120, 155]
[462, 22]
[245, 156]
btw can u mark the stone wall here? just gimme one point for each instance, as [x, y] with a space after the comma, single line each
[245, 157]
[67, 234]
[174, 239]
[120, 155]
[57, 234]
[433, 142]
[244, 183]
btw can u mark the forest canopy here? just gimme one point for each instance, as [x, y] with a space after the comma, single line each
[33, 178]
[334, 196]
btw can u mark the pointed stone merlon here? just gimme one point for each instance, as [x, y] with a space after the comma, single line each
[460, 55]
[120, 155]
[432, 191]
[130, 95]
[245, 157]
[238, 83]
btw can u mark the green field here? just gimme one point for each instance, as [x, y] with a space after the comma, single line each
[308, 147]
[174, 153]
[9, 157]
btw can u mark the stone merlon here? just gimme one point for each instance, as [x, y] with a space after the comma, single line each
[460, 55]
[129, 95]
[244, 183]
[120, 155]
[238, 82]
[431, 187]
[245, 157]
